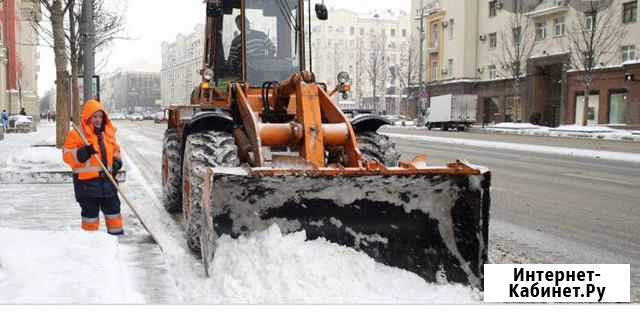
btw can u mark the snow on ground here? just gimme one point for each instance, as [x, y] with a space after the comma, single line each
[70, 267]
[31, 151]
[617, 156]
[588, 132]
[270, 268]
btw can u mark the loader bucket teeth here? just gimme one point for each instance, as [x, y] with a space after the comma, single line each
[429, 223]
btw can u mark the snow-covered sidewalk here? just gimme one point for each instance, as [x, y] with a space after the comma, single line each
[44, 256]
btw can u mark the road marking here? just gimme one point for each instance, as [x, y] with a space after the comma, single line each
[599, 179]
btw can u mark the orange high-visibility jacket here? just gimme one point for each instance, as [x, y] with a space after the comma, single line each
[91, 169]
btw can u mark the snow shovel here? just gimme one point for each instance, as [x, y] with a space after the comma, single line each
[113, 181]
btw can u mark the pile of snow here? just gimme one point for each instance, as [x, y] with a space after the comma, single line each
[515, 126]
[62, 268]
[272, 268]
[575, 131]
[584, 129]
[31, 151]
[35, 159]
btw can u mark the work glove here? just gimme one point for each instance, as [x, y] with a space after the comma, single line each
[117, 166]
[85, 153]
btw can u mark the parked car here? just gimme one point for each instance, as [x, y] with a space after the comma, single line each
[160, 117]
[20, 123]
[148, 116]
[136, 117]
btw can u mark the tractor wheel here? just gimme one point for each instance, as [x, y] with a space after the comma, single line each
[171, 172]
[202, 151]
[377, 147]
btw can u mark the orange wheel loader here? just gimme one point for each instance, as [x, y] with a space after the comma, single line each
[262, 143]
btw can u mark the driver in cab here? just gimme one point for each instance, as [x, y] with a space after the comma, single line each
[258, 45]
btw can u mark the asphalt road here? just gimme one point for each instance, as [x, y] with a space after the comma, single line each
[545, 208]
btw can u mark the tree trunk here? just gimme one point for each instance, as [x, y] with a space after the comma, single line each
[75, 66]
[62, 82]
[585, 112]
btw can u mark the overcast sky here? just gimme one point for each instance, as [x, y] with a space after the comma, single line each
[150, 22]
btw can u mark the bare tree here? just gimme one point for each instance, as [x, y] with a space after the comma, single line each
[593, 39]
[56, 39]
[517, 42]
[408, 69]
[376, 66]
[110, 21]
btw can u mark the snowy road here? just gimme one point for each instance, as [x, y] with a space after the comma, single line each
[553, 208]
[546, 208]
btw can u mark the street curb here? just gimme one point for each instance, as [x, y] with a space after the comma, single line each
[44, 177]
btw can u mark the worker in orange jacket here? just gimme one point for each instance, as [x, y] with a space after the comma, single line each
[93, 190]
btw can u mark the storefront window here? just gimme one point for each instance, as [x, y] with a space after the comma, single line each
[618, 108]
[516, 109]
[592, 113]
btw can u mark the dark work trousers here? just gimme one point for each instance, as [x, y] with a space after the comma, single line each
[110, 208]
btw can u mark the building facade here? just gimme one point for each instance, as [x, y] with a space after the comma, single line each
[373, 48]
[466, 41]
[131, 91]
[20, 56]
[181, 65]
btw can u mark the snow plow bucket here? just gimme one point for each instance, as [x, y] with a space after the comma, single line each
[430, 221]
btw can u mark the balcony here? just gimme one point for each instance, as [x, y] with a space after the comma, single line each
[549, 8]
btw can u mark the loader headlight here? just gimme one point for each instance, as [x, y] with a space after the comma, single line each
[208, 74]
[343, 77]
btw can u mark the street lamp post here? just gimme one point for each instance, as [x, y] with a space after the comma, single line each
[419, 103]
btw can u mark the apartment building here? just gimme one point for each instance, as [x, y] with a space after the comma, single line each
[131, 90]
[181, 65]
[364, 44]
[465, 53]
[19, 59]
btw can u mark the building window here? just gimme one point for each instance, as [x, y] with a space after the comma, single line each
[559, 27]
[618, 108]
[492, 72]
[361, 31]
[404, 33]
[628, 53]
[630, 12]
[541, 31]
[434, 71]
[493, 40]
[493, 10]
[435, 35]
[450, 68]
[393, 32]
[589, 22]
[352, 31]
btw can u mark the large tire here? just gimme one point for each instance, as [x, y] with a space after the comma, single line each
[378, 147]
[171, 172]
[202, 150]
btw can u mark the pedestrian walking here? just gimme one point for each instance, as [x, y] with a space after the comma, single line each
[93, 190]
[5, 120]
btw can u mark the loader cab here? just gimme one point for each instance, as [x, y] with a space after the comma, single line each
[254, 41]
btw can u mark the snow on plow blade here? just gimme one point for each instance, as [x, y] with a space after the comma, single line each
[433, 222]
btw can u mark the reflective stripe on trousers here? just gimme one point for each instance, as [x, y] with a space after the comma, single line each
[115, 224]
[91, 224]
